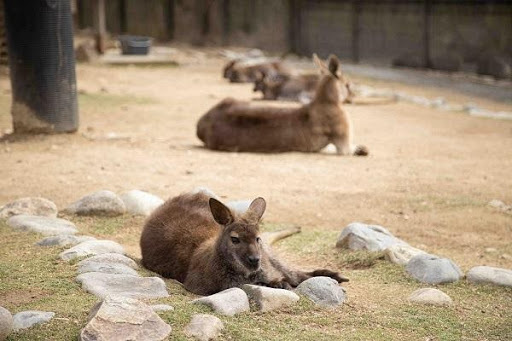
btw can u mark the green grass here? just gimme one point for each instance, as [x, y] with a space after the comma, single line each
[33, 277]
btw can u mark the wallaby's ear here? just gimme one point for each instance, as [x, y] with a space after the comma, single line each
[256, 210]
[320, 64]
[334, 65]
[220, 212]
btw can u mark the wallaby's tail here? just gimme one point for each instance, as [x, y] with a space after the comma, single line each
[328, 273]
[361, 150]
[272, 237]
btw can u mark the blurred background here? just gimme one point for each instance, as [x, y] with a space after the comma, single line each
[450, 35]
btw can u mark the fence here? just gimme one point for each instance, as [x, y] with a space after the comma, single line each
[375, 31]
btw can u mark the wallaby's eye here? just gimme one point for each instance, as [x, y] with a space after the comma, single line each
[258, 239]
[235, 240]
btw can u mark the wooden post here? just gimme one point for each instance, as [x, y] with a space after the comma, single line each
[100, 25]
[356, 11]
[226, 17]
[427, 22]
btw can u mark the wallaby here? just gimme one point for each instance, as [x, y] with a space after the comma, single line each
[241, 127]
[200, 242]
[300, 88]
[238, 72]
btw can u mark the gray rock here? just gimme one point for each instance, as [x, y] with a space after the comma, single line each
[401, 254]
[269, 298]
[103, 285]
[206, 191]
[324, 291]
[27, 319]
[490, 275]
[64, 240]
[6, 323]
[29, 206]
[161, 307]
[432, 269]
[228, 302]
[111, 258]
[45, 225]
[430, 296]
[123, 318]
[91, 247]
[204, 327]
[359, 236]
[101, 203]
[239, 206]
[107, 268]
[140, 203]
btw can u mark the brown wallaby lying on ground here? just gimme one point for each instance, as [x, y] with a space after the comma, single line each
[300, 88]
[239, 126]
[200, 242]
[238, 72]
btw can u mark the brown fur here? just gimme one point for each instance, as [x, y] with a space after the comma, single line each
[239, 126]
[190, 239]
[237, 72]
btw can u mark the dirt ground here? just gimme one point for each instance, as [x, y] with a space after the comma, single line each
[428, 179]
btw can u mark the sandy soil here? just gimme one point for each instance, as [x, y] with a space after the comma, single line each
[428, 179]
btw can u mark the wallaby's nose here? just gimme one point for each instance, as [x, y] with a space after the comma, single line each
[253, 260]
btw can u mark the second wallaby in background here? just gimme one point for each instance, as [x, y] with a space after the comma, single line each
[240, 126]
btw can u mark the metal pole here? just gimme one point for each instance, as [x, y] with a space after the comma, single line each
[42, 66]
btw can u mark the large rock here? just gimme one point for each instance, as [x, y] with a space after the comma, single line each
[268, 299]
[64, 240]
[162, 307]
[6, 323]
[103, 285]
[401, 254]
[29, 206]
[359, 236]
[430, 296]
[45, 225]
[91, 247]
[140, 203]
[490, 275]
[107, 268]
[101, 203]
[123, 318]
[204, 327]
[110, 258]
[27, 319]
[239, 206]
[228, 302]
[324, 291]
[432, 269]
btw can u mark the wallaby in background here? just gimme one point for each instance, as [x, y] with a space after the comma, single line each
[300, 88]
[239, 72]
[200, 242]
[239, 126]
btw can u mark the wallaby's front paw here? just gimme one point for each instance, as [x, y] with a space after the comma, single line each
[280, 284]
